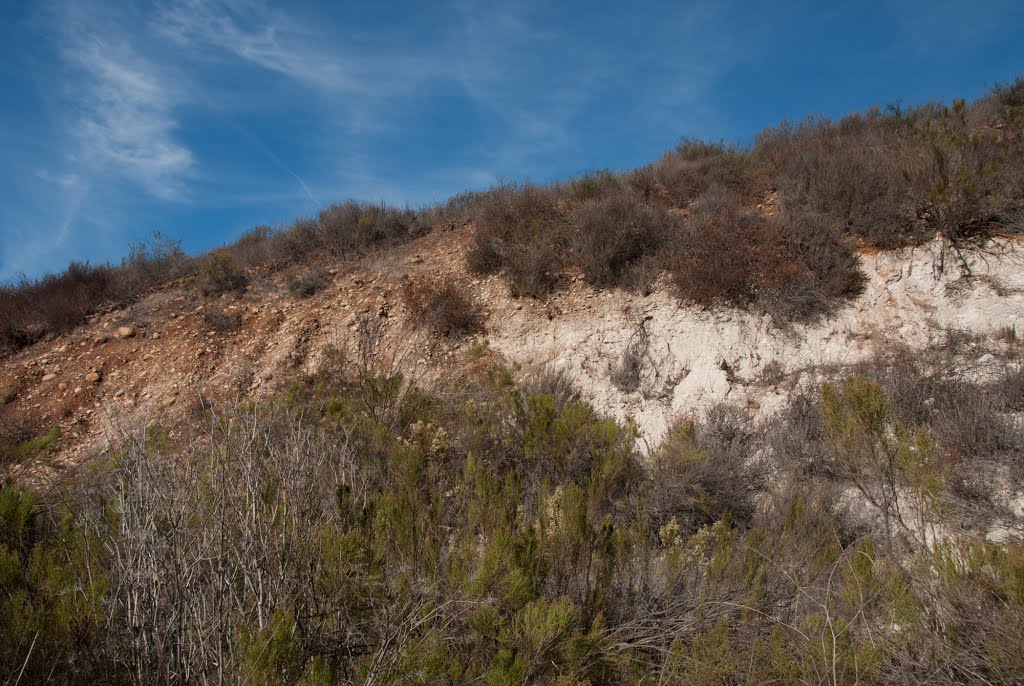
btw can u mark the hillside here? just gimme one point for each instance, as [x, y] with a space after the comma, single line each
[740, 416]
[174, 351]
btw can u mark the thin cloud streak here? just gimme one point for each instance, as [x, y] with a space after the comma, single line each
[272, 41]
[126, 116]
[262, 148]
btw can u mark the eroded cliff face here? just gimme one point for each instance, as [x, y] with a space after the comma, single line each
[644, 357]
[691, 359]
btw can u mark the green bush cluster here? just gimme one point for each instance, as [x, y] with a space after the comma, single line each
[219, 273]
[365, 530]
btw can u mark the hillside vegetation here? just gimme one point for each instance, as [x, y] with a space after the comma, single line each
[771, 227]
[404, 506]
[360, 529]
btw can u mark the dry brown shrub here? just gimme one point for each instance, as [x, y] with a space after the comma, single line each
[614, 233]
[33, 309]
[521, 233]
[796, 438]
[682, 175]
[222, 321]
[308, 284]
[351, 228]
[594, 185]
[298, 243]
[1010, 390]
[857, 173]
[443, 306]
[255, 247]
[219, 273]
[702, 471]
[791, 267]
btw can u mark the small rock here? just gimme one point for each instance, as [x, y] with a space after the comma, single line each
[61, 386]
[92, 377]
[49, 377]
[125, 331]
[119, 393]
[78, 389]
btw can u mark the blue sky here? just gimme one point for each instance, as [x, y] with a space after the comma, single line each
[202, 118]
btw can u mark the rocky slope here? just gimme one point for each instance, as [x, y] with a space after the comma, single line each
[633, 356]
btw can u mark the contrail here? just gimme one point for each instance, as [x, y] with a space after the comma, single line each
[262, 147]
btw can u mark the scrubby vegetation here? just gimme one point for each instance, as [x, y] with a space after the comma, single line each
[56, 303]
[443, 307]
[308, 284]
[361, 529]
[771, 226]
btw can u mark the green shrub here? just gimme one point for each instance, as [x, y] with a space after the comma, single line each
[497, 536]
[34, 447]
[218, 273]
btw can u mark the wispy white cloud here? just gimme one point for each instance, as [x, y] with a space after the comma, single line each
[126, 115]
[274, 41]
[65, 180]
[327, 109]
[105, 141]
